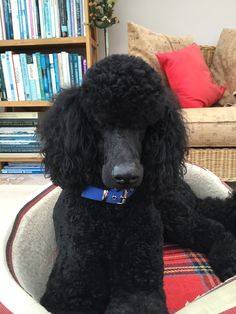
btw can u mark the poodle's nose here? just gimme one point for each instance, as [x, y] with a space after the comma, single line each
[126, 174]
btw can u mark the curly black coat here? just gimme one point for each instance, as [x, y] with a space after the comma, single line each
[123, 129]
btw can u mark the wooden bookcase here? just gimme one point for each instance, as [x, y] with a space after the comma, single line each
[84, 45]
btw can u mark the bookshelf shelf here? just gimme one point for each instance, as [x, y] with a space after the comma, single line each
[85, 46]
[21, 43]
[21, 159]
[30, 103]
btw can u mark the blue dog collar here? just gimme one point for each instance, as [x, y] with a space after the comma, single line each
[111, 196]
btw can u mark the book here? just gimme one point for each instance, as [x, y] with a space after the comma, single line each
[2, 22]
[44, 76]
[52, 74]
[19, 78]
[9, 77]
[48, 74]
[18, 122]
[41, 18]
[31, 76]
[36, 76]
[56, 66]
[9, 131]
[8, 19]
[78, 17]
[3, 93]
[19, 115]
[15, 19]
[40, 76]
[69, 25]
[63, 18]
[20, 155]
[47, 19]
[25, 76]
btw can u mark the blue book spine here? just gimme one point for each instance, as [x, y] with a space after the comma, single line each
[20, 19]
[11, 75]
[8, 19]
[31, 76]
[25, 76]
[22, 14]
[48, 73]
[69, 22]
[82, 17]
[44, 76]
[47, 19]
[26, 20]
[80, 70]
[18, 138]
[56, 72]
[40, 77]
[72, 70]
[78, 16]
[76, 68]
[25, 171]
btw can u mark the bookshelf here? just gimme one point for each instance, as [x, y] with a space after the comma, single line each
[86, 46]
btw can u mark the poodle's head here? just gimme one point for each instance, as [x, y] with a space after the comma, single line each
[120, 129]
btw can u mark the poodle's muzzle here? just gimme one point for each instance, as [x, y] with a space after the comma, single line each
[122, 150]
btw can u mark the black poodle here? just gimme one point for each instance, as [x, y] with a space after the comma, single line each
[116, 146]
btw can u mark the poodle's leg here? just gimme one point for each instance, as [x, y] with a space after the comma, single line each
[223, 211]
[184, 225]
[77, 286]
[138, 283]
[79, 281]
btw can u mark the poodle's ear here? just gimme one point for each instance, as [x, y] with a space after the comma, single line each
[165, 146]
[67, 140]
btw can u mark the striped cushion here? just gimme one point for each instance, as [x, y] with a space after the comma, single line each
[187, 275]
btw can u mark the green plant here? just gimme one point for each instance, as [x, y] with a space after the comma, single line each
[101, 13]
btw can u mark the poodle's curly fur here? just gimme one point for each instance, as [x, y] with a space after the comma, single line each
[110, 256]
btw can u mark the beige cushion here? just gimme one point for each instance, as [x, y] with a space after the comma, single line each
[211, 127]
[144, 43]
[223, 67]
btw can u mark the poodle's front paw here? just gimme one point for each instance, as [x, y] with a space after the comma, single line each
[138, 304]
[223, 257]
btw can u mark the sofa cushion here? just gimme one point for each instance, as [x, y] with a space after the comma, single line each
[223, 66]
[144, 43]
[211, 127]
[189, 77]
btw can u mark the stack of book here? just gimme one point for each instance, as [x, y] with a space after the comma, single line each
[17, 134]
[39, 76]
[23, 168]
[29, 19]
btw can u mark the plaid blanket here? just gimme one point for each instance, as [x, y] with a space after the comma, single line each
[187, 275]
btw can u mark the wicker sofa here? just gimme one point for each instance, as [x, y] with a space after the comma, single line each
[212, 130]
[212, 134]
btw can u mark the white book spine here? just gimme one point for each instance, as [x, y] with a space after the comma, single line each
[60, 70]
[2, 21]
[65, 69]
[34, 10]
[15, 19]
[52, 11]
[53, 76]
[57, 19]
[19, 78]
[35, 66]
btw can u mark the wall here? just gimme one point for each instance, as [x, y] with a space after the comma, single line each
[203, 19]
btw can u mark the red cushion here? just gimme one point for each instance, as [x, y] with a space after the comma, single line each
[187, 275]
[189, 77]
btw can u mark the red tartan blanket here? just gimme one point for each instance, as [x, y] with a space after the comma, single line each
[187, 275]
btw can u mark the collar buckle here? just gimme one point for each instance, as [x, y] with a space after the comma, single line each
[123, 197]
